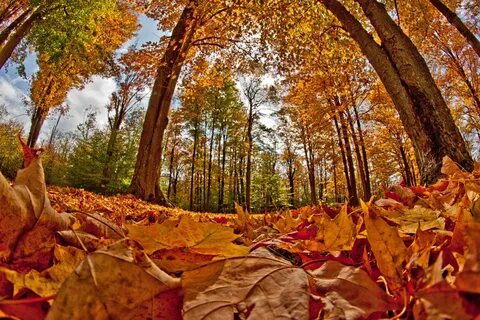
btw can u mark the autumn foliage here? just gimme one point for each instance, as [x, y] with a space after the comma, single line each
[413, 254]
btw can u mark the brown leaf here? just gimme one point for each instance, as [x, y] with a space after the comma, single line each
[27, 220]
[112, 283]
[387, 246]
[350, 291]
[257, 287]
[469, 278]
[439, 302]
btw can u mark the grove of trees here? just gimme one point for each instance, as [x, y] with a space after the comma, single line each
[270, 104]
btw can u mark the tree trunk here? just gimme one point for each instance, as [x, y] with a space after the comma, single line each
[248, 173]
[192, 170]
[291, 175]
[38, 119]
[222, 174]
[334, 164]
[145, 181]
[406, 167]
[455, 21]
[13, 25]
[352, 194]
[14, 39]
[170, 167]
[405, 75]
[368, 192]
[358, 156]
[310, 166]
[342, 152]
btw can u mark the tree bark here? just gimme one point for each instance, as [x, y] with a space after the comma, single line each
[310, 165]
[192, 169]
[14, 39]
[342, 152]
[248, 172]
[352, 194]
[222, 173]
[359, 157]
[38, 119]
[455, 21]
[13, 25]
[145, 181]
[405, 75]
[368, 192]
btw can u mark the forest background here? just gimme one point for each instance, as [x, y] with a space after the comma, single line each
[271, 104]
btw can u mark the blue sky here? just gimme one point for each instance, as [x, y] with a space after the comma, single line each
[14, 89]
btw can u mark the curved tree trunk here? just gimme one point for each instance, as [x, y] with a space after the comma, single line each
[405, 75]
[14, 39]
[13, 25]
[455, 21]
[145, 181]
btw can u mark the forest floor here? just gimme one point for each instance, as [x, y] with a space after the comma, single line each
[68, 253]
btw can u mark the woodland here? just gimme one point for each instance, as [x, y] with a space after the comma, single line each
[265, 159]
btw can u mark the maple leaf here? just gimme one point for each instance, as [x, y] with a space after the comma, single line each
[257, 286]
[119, 281]
[387, 246]
[197, 237]
[349, 293]
[27, 220]
[409, 219]
[47, 282]
[335, 234]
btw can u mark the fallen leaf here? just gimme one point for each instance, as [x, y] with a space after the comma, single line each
[469, 278]
[439, 302]
[206, 238]
[112, 283]
[27, 221]
[47, 282]
[339, 233]
[387, 246]
[409, 219]
[350, 291]
[254, 287]
[419, 251]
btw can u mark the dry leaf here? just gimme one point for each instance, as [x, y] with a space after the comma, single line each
[440, 302]
[27, 220]
[350, 291]
[257, 287]
[113, 283]
[206, 238]
[387, 246]
[47, 282]
[469, 278]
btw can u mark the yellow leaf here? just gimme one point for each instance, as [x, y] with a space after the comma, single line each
[387, 246]
[335, 234]
[198, 237]
[47, 282]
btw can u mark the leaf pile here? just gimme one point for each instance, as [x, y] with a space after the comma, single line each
[413, 254]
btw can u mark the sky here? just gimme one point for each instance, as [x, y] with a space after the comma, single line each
[15, 89]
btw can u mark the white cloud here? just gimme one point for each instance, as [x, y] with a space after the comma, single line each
[12, 97]
[95, 94]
